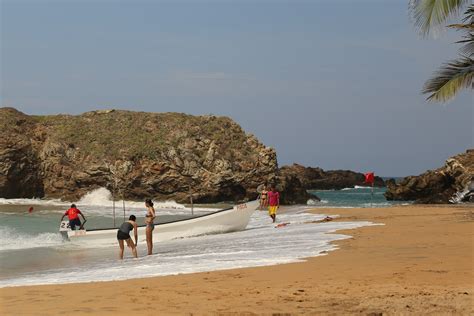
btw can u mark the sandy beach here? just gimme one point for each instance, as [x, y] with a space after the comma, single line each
[419, 262]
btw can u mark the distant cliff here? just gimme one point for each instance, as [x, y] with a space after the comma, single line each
[139, 155]
[435, 186]
[318, 179]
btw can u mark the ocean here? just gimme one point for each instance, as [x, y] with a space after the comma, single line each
[33, 252]
[359, 196]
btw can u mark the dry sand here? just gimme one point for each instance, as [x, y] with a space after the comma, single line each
[419, 262]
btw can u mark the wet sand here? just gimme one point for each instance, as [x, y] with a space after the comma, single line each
[419, 262]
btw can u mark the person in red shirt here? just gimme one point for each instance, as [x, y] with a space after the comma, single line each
[273, 202]
[73, 215]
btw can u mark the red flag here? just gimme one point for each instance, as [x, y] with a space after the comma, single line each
[369, 177]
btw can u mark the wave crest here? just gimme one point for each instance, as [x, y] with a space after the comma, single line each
[12, 239]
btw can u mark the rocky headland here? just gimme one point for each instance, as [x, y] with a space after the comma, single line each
[166, 156]
[139, 155]
[136, 155]
[435, 186]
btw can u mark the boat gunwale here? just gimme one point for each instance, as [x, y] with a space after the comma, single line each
[170, 222]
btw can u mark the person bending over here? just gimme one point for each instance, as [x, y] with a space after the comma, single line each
[123, 234]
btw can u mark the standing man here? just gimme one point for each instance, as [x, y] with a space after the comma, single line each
[273, 202]
[73, 215]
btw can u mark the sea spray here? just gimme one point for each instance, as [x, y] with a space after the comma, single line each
[12, 239]
[103, 197]
[35, 201]
[99, 199]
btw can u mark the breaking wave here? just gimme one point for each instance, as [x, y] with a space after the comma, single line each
[98, 197]
[12, 239]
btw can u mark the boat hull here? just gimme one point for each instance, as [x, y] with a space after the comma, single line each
[224, 221]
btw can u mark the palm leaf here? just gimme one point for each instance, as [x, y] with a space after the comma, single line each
[468, 47]
[462, 26]
[450, 79]
[429, 14]
[468, 27]
[469, 15]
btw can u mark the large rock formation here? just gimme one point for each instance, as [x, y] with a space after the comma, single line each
[20, 174]
[318, 179]
[293, 191]
[139, 155]
[435, 186]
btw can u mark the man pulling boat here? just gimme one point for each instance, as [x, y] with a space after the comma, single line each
[73, 214]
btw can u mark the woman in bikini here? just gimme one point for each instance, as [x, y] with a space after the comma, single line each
[263, 197]
[123, 233]
[150, 226]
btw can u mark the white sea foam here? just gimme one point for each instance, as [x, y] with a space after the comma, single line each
[356, 187]
[103, 197]
[383, 204]
[100, 196]
[11, 239]
[261, 244]
[315, 202]
[347, 189]
[361, 187]
[31, 202]
[97, 200]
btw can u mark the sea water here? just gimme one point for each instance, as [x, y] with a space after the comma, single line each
[33, 252]
[358, 196]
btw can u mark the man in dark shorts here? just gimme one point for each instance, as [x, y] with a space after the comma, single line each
[73, 215]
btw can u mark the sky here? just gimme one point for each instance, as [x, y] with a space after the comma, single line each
[327, 83]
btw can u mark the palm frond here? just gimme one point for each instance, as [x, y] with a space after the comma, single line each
[468, 47]
[429, 14]
[450, 79]
[467, 22]
[469, 15]
[462, 26]
[468, 28]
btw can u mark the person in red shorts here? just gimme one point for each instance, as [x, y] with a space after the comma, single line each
[273, 202]
[73, 215]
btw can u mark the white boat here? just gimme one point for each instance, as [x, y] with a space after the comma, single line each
[232, 219]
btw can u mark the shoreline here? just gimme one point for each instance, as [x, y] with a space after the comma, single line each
[408, 265]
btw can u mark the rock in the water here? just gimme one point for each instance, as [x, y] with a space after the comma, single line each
[292, 189]
[436, 186]
[318, 179]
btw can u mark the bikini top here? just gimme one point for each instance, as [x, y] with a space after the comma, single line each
[148, 213]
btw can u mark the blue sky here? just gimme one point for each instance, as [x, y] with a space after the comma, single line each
[334, 84]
